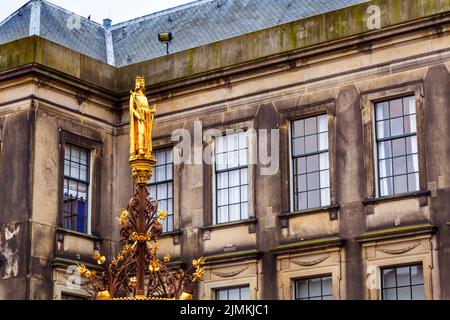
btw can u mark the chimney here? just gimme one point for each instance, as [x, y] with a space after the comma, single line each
[107, 23]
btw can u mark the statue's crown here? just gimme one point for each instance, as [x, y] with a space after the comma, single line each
[140, 80]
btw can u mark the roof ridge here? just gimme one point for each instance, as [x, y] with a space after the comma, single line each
[160, 13]
[15, 12]
[71, 12]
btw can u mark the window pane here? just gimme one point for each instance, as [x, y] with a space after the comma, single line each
[311, 125]
[222, 197]
[398, 147]
[303, 201]
[302, 289]
[244, 179]
[245, 293]
[222, 295]
[234, 178]
[299, 128]
[312, 163]
[244, 210]
[390, 294]
[311, 144]
[413, 163]
[383, 129]
[244, 194]
[409, 105]
[243, 140]
[400, 184]
[411, 144]
[313, 180]
[324, 179]
[386, 168]
[234, 195]
[220, 144]
[313, 199]
[416, 274]
[410, 124]
[413, 182]
[399, 165]
[232, 159]
[323, 123]
[233, 294]
[299, 146]
[396, 108]
[403, 276]
[397, 127]
[404, 293]
[301, 165]
[323, 141]
[327, 286]
[382, 110]
[243, 157]
[232, 142]
[323, 161]
[222, 180]
[417, 293]
[389, 278]
[384, 150]
[315, 287]
[222, 214]
[235, 212]
[386, 186]
[325, 197]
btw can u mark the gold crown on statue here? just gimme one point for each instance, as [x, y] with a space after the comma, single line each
[140, 81]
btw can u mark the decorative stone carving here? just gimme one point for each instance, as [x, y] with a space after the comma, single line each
[309, 263]
[399, 250]
[229, 274]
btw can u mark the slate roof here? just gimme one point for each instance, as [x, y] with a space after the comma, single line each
[193, 24]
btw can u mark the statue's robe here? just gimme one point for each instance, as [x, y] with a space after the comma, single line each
[139, 104]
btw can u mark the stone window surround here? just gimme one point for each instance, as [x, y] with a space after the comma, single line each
[368, 100]
[243, 277]
[294, 266]
[285, 118]
[209, 179]
[398, 252]
[165, 142]
[59, 287]
[95, 148]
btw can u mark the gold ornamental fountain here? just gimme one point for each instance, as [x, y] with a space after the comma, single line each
[137, 272]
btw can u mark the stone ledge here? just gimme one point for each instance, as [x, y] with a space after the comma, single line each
[308, 245]
[397, 232]
[232, 256]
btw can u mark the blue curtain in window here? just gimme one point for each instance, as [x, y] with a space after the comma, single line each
[81, 219]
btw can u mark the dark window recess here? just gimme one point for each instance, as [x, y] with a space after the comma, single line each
[76, 188]
[402, 283]
[233, 293]
[161, 185]
[397, 152]
[231, 174]
[315, 288]
[311, 181]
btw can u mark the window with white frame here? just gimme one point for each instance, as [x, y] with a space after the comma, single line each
[161, 185]
[396, 138]
[233, 293]
[402, 283]
[314, 288]
[310, 164]
[76, 188]
[231, 177]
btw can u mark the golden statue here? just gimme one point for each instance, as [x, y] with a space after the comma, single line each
[141, 122]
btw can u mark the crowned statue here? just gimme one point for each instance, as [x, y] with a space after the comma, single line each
[141, 122]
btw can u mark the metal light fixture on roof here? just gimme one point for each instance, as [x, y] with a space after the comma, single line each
[165, 37]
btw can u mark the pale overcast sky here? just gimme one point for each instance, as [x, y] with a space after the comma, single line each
[116, 10]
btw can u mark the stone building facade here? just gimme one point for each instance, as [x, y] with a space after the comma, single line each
[358, 208]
